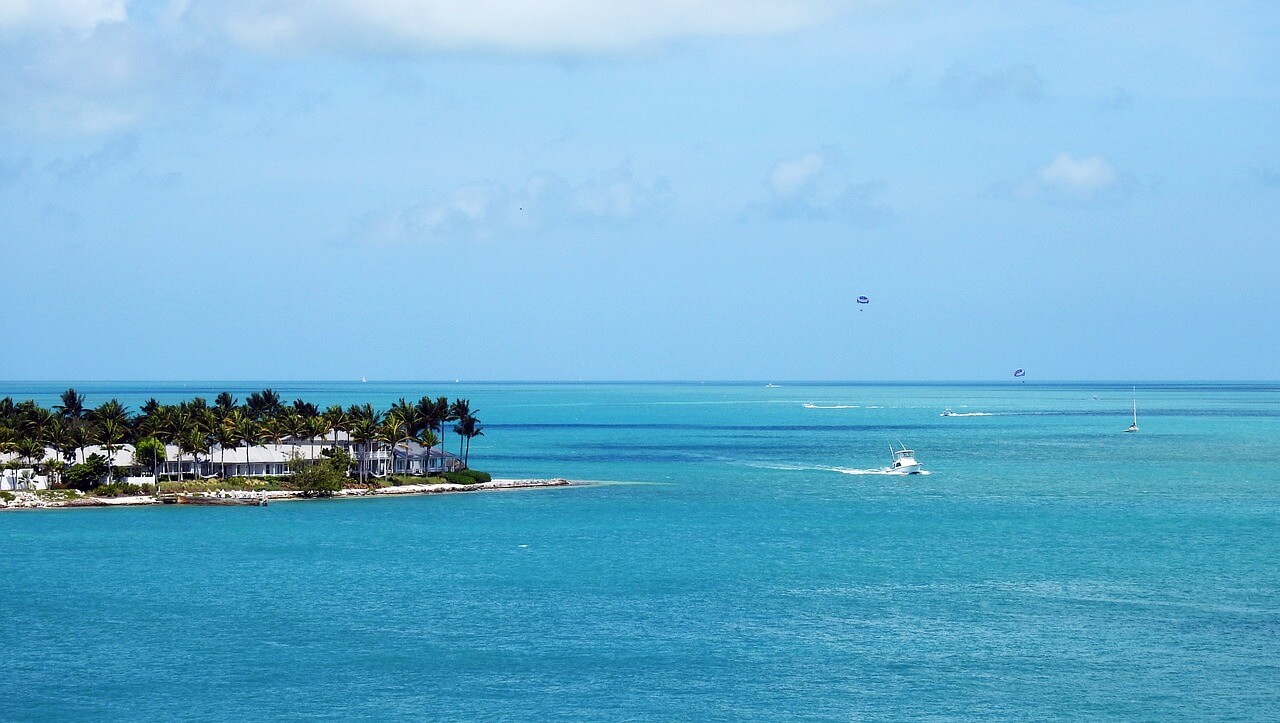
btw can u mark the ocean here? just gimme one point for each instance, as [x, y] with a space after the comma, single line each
[740, 558]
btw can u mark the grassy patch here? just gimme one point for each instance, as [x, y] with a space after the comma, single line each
[120, 489]
[247, 484]
[54, 495]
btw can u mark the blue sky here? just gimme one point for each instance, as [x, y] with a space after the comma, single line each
[428, 189]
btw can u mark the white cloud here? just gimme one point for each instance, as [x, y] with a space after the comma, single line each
[1078, 178]
[77, 15]
[817, 186]
[517, 26]
[482, 211]
[790, 177]
[94, 84]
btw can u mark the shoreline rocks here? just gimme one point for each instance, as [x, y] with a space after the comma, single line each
[25, 500]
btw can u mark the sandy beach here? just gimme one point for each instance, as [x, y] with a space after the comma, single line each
[23, 500]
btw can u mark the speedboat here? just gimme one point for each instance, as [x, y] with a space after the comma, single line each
[904, 461]
[947, 413]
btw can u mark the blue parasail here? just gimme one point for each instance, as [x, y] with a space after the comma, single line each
[863, 300]
[1019, 373]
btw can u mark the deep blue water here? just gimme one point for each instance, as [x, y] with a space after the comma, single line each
[741, 564]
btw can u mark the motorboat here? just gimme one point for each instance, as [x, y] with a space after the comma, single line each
[904, 461]
[948, 413]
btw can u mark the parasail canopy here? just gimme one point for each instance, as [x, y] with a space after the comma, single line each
[1019, 373]
[863, 300]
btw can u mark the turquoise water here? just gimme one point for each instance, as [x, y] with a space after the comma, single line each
[743, 562]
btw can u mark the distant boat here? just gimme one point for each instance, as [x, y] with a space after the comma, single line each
[771, 385]
[362, 379]
[904, 461]
[948, 413]
[1134, 427]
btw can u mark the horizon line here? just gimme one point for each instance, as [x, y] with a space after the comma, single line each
[696, 382]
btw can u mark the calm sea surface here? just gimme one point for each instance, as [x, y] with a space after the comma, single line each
[743, 561]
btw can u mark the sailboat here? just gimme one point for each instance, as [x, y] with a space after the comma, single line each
[1134, 427]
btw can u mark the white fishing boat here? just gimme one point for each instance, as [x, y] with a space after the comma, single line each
[1134, 427]
[904, 461]
[948, 413]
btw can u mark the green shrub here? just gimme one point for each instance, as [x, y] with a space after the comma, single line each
[6, 496]
[87, 475]
[253, 484]
[467, 477]
[478, 476]
[117, 489]
[319, 480]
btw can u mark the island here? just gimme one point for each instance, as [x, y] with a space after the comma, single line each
[233, 453]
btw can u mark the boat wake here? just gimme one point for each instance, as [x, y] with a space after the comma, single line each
[823, 468]
[807, 405]
[878, 470]
[971, 414]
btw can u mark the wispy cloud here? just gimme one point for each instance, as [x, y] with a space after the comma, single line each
[80, 68]
[515, 26]
[82, 168]
[964, 85]
[80, 16]
[486, 210]
[816, 186]
[1072, 179]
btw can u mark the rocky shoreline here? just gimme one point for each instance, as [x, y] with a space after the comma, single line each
[23, 500]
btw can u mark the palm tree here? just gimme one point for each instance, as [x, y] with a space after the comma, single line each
[247, 431]
[196, 441]
[434, 413]
[263, 404]
[305, 409]
[275, 429]
[315, 427]
[364, 429]
[36, 422]
[460, 410]
[58, 436]
[396, 429]
[111, 433]
[170, 424]
[31, 450]
[337, 420]
[467, 428]
[56, 468]
[224, 403]
[72, 406]
[295, 424]
[428, 439]
[224, 435]
[110, 410]
[8, 440]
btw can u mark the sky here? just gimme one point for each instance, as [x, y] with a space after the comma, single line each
[639, 190]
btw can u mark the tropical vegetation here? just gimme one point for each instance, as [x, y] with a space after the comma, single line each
[54, 441]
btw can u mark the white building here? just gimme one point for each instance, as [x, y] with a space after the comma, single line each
[263, 460]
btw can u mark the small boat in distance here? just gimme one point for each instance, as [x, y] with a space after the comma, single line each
[904, 461]
[948, 413]
[1134, 427]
